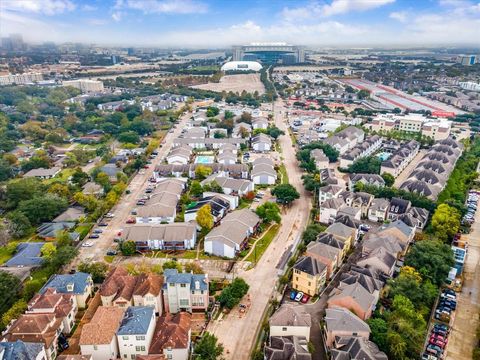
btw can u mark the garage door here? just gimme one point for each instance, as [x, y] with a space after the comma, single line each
[264, 179]
[217, 248]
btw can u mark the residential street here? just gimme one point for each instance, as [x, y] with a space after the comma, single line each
[127, 203]
[238, 332]
[462, 339]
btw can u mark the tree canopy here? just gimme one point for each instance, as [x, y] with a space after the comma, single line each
[445, 222]
[269, 212]
[207, 348]
[285, 193]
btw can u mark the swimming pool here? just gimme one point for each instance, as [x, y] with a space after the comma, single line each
[204, 159]
[384, 156]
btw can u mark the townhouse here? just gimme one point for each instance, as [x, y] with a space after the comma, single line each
[179, 155]
[208, 143]
[237, 171]
[263, 171]
[172, 336]
[99, 337]
[355, 347]
[79, 285]
[22, 350]
[309, 275]
[261, 143]
[366, 148]
[346, 139]
[365, 179]
[342, 322]
[378, 210]
[431, 174]
[328, 255]
[399, 159]
[135, 333]
[320, 159]
[290, 320]
[353, 297]
[184, 291]
[231, 236]
[218, 208]
[230, 186]
[174, 236]
[122, 290]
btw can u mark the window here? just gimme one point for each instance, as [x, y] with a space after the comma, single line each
[125, 356]
[184, 302]
[95, 347]
[169, 356]
[284, 329]
[133, 356]
[183, 285]
[140, 337]
[125, 337]
[172, 284]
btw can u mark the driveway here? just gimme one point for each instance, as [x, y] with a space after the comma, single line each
[462, 339]
[238, 333]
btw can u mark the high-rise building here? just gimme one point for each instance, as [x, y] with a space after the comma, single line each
[85, 85]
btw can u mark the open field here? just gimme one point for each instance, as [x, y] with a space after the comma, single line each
[236, 83]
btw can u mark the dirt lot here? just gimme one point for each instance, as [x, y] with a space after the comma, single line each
[236, 83]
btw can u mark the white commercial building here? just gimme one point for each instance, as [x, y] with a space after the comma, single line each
[85, 85]
[20, 79]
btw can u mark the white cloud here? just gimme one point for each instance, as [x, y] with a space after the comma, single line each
[117, 15]
[87, 7]
[97, 21]
[163, 6]
[47, 7]
[336, 7]
[401, 16]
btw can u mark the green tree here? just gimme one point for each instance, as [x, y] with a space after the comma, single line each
[432, 259]
[192, 267]
[202, 171]
[23, 189]
[129, 137]
[60, 190]
[30, 288]
[9, 288]
[269, 212]
[207, 348]
[18, 224]
[246, 117]
[204, 217]
[388, 178]
[98, 270]
[172, 264]
[312, 182]
[445, 222]
[378, 332]
[311, 233]
[48, 250]
[274, 132]
[42, 208]
[128, 248]
[196, 189]
[233, 293]
[285, 193]
[17, 309]
[79, 177]
[212, 111]
[366, 165]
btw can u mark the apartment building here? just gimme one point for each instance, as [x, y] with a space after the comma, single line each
[135, 333]
[184, 291]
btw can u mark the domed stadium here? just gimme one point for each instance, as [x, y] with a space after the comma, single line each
[241, 66]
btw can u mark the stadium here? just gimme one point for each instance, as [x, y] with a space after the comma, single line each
[270, 53]
[241, 66]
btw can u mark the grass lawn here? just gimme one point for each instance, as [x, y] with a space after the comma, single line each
[263, 243]
[244, 204]
[283, 174]
[41, 275]
[83, 229]
[6, 252]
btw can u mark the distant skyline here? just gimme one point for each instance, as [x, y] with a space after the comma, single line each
[214, 23]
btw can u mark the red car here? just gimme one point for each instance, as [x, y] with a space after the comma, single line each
[438, 337]
[437, 342]
[305, 298]
[145, 167]
[131, 221]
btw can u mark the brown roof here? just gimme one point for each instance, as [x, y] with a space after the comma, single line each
[103, 326]
[148, 284]
[34, 328]
[119, 283]
[61, 304]
[171, 331]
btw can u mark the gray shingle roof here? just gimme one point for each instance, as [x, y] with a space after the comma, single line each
[340, 319]
[28, 254]
[20, 350]
[79, 280]
[173, 276]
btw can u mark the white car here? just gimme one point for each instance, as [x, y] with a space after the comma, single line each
[110, 215]
[299, 296]
[87, 244]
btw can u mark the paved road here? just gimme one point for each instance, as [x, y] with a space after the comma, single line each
[235, 332]
[462, 339]
[127, 202]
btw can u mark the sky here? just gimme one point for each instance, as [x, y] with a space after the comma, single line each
[217, 24]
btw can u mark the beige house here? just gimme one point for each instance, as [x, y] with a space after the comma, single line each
[290, 320]
[309, 275]
[343, 233]
[353, 297]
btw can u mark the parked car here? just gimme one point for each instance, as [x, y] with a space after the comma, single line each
[97, 231]
[111, 252]
[110, 215]
[305, 298]
[131, 221]
[427, 356]
[299, 296]
[293, 295]
[102, 224]
[94, 236]
[87, 244]
[437, 342]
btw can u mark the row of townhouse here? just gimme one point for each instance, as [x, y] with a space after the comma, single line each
[346, 139]
[134, 332]
[335, 201]
[263, 171]
[400, 155]
[366, 148]
[432, 172]
[208, 143]
[161, 205]
[435, 128]
[50, 316]
[320, 159]
[324, 256]
[237, 171]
